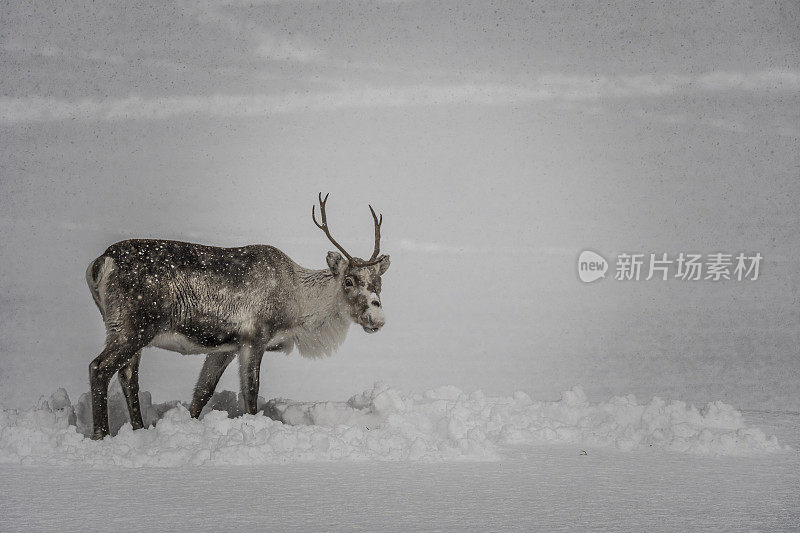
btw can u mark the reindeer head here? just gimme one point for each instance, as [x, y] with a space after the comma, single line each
[360, 280]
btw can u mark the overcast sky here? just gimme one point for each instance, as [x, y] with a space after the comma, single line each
[498, 139]
[542, 109]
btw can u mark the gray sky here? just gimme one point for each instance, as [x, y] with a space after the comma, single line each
[498, 139]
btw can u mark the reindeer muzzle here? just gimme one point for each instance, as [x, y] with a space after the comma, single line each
[373, 320]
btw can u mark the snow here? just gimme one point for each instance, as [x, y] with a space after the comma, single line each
[533, 488]
[389, 459]
[382, 424]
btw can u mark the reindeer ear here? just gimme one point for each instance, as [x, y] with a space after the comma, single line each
[336, 262]
[383, 266]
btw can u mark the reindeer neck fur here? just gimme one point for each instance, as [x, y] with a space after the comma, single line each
[323, 320]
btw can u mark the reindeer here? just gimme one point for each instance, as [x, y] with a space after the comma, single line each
[223, 302]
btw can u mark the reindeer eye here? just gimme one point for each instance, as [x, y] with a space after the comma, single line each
[348, 282]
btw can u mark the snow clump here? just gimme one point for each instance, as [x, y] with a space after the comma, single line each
[382, 423]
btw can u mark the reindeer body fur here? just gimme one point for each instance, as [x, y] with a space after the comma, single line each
[191, 298]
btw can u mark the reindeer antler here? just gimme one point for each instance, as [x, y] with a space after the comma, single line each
[377, 235]
[324, 227]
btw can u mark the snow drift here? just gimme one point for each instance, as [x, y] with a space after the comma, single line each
[379, 424]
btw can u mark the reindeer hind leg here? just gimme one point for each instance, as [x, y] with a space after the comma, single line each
[117, 353]
[129, 379]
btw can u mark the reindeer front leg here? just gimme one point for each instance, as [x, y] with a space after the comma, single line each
[249, 369]
[213, 368]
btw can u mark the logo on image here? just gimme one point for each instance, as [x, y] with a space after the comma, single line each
[591, 266]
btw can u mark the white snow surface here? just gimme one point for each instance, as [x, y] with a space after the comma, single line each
[382, 423]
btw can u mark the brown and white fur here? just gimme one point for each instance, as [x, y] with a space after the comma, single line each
[222, 302]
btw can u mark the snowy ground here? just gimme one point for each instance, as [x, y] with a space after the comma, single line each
[383, 423]
[548, 487]
[441, 460]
